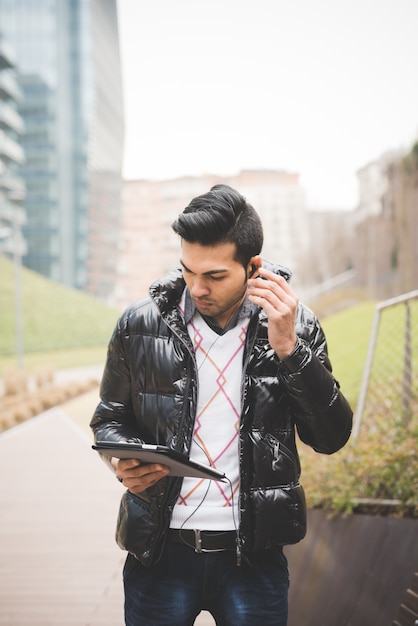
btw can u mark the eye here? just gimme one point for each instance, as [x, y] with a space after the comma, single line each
[217, 278]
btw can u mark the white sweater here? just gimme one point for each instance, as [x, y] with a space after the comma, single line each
[208, 504]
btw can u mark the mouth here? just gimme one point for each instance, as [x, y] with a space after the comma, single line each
[202, 304]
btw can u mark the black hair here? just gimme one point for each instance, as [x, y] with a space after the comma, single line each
[222, 215]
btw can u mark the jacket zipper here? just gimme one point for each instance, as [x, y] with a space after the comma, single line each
[278, 448]
[186, 391]
[188, 383]
[248, 351]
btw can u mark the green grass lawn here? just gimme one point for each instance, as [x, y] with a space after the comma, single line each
[62, 327]
[57, 359]
[348, 334]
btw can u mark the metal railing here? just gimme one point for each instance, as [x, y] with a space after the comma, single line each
[388, 385]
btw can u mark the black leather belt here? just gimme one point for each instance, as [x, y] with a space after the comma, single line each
[205, 540]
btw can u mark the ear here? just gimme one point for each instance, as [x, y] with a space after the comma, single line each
[253, 265]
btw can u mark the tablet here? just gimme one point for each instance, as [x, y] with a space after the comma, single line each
[178, 463]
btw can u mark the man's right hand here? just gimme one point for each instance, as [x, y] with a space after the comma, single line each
[137, 477]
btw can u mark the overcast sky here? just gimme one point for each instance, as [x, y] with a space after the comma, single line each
[319, 87]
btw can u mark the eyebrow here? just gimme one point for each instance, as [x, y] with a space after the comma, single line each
[209, 273]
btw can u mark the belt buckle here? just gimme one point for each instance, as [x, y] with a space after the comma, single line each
[198, 543]
[197, 540]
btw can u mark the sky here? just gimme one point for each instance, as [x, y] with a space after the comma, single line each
[318, 87]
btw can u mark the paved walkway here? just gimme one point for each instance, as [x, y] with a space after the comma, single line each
[59, 563]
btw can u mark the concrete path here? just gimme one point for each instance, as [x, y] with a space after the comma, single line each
[59, 563]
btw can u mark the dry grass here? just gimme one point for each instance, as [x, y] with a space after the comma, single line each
[25, 397]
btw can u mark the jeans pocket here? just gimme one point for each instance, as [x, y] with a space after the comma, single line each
[129, 565]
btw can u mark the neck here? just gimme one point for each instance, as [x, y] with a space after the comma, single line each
[223, 320]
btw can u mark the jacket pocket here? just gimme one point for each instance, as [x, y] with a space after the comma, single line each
[274, 464]
[279, 515]
[136, 529]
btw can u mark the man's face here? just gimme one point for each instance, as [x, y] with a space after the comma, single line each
[216, 281]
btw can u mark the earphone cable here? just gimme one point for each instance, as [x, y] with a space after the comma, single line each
[204, 498]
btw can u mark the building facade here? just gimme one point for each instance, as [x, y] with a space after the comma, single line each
[150, 247]
[374, 228]
[72, 107]
[12, 188]
[401, 204]
[387, 223]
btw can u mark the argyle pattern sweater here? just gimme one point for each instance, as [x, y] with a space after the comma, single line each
[208, 504]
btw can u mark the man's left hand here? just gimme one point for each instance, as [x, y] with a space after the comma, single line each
[272, 293]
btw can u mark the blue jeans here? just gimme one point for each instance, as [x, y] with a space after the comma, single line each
[182, 583]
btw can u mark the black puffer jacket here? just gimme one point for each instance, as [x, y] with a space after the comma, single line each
[148, 393]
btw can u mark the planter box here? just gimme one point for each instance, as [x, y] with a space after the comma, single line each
[351, 570]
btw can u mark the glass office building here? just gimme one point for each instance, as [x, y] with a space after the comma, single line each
[68, 55]
[12, 188]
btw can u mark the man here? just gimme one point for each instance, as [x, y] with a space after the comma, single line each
[221, 364]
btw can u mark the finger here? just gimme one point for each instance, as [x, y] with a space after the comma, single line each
[273, 279]
[138, 484]
[277, 294]
[150, 468]
[271, 294]
[125, 464]
[272, 305]
[145, 472]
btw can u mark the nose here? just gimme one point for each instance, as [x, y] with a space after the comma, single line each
[198, 287]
